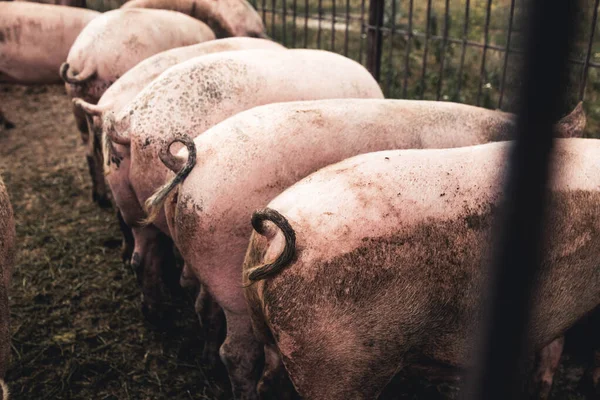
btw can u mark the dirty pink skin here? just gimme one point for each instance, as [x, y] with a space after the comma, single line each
[116, 42]
[192, 97]
[399, 277]
[248, 159]
[124, 90]
[120, 39]
[7, 258]
[35, 40]
[225, 17]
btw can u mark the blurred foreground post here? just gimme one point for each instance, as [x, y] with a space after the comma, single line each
[501, 346]
[375, 37]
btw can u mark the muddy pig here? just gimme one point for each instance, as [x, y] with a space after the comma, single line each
[192, 97]
[118, 40]
[35, 39]
[225, 17]
[250, 158]
[120, 93]
[376, 264]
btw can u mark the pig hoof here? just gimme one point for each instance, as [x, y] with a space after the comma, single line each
[126, 254]
[157, 317]
[102, 200]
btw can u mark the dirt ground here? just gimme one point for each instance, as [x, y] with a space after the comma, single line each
[77, 330]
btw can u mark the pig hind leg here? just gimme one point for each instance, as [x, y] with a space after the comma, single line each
[548, 360]
[212, 320]
[275, 382]
[128, 243]
[241, 353]
[153, 250]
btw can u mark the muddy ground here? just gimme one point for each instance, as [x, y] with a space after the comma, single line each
[77, 331]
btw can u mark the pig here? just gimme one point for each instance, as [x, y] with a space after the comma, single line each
[225, 17]
[192, 97]
[7, 259]
[131, 83]
[375, 265]
[35, 39]
[247, 160]
[115, 42]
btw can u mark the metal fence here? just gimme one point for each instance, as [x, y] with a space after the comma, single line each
[467, 51]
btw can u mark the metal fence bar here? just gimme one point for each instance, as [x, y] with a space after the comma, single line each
[486, 41]
[320, 21]
[507, 53]
[305, 23]
[347, 28]
[375, 37]
[444, 47]
[388, 84]
[284, 24]
[273, 19]
[426, 49]
[464, 48]
[409, 38]
[584, 72]
[332, 25]
[294, 17]
[362, 30]
[517, 259]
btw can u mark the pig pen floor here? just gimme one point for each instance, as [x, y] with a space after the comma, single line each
[77, 331]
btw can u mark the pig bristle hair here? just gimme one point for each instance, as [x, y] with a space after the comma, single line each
[155, 202]
[289, 250]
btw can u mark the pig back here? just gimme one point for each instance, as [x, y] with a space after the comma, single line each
[119, 39]
[193, 96]
[401, 257]
[35, 39]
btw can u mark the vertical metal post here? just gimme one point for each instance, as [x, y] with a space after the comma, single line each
[586, 65]
[507, 54]
[444, 48]
[362, 30]
[426, 49]
[517, 259]
[409, 38]
[486, 43]
[375, 37]
[333, 12]
[347, 28]
[464, 49]
[390, 71]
